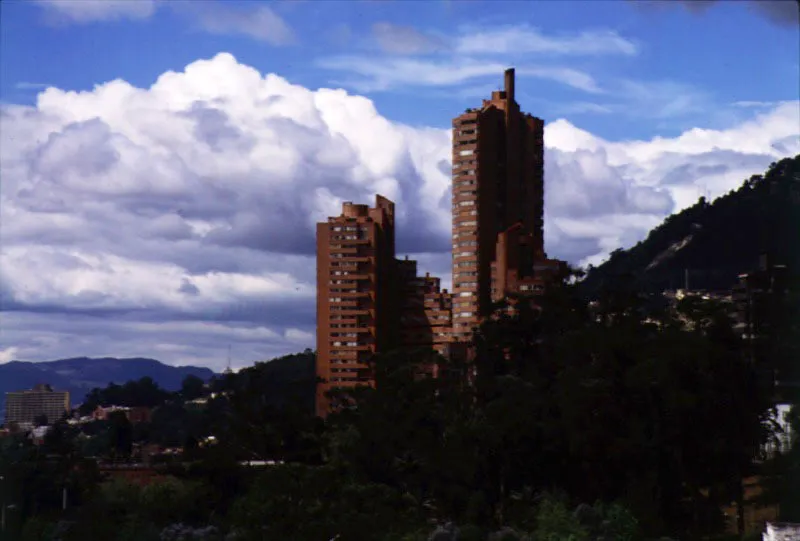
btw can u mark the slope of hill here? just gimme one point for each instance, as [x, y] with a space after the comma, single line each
[82, 374]
[710, 244]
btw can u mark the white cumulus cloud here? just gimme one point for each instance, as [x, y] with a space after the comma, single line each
[174, 220]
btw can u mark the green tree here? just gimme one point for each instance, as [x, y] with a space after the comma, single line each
[192, 387]
[311, 503]
[120, 435]
[554, 522]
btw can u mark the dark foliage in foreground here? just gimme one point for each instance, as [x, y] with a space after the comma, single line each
[627, 419]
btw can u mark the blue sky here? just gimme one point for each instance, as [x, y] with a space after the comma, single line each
[164, 163]
[672, 63]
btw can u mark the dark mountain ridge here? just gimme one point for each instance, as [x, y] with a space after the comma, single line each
[709, 244]
[79, 375]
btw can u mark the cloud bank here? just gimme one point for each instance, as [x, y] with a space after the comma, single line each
[174, 220]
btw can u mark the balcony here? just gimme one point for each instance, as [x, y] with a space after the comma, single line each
[340, 249]
[460, 189]
[464, 162]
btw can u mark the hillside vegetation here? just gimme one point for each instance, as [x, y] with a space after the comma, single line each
[714, 242]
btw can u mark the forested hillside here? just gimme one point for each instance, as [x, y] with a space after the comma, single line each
[711, 243]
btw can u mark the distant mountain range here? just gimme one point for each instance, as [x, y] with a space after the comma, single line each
[81, 374]
[707, 245]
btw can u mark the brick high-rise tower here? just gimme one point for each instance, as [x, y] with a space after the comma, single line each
[355, 265]
[498, 184]
[368, 302]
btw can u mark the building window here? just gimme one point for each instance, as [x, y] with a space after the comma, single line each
[466, 152]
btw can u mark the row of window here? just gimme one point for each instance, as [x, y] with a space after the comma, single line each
[345, 370]
[351, 289]
[343, 273]
[465, 233]
[465, 274]
[462, 184]
[531, 287]
[466, 284]
[465, 253]
[467, 223]
[341, 308]
[469, 152]
[465, 264]
[462, 163]
[464, 204]
[464, 314]
[361, 320]
[345, 328]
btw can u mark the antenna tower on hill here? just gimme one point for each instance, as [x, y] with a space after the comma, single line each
[228, 367]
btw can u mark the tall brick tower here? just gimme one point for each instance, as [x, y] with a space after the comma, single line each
[368, 302]
[498, 184]
[355, 266]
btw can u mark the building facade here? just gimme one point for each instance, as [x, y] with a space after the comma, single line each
[355, 256]
[425, 310]
[24, 407]
[498, 208]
